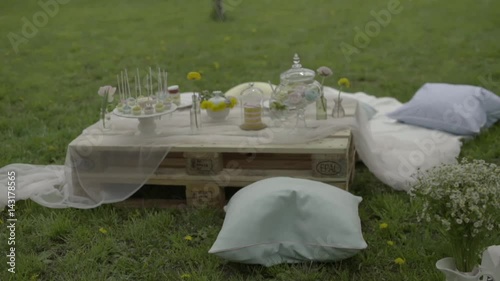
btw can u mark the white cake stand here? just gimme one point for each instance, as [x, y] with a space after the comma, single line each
[147, 124]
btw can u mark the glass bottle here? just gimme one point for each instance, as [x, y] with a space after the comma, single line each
[195, 114]
[321, 107]
[175, 96]
[338, 110]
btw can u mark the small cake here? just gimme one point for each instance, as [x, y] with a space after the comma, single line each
[252, 119]
[126, 109]
[119, 107]
[149, 109]
[159, 107]
[142, 100]
[131, 101]
[136, 110]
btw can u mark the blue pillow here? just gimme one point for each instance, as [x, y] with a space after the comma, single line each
[288, 220]
[456, 109]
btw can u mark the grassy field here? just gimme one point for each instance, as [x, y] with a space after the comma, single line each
[50, 75]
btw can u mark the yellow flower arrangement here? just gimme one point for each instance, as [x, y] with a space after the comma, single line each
[207, 104]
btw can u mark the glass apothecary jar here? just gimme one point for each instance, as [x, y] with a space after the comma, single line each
[298, 88]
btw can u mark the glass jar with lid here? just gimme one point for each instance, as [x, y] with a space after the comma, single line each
[298, 88]
[250, 101]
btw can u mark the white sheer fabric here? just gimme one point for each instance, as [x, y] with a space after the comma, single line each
[106, 167]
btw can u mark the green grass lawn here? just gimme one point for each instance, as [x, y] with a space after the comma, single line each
[48, 95]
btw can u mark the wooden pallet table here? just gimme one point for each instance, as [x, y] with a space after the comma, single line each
[206, 170]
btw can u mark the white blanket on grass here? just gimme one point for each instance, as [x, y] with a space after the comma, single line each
[392, 151]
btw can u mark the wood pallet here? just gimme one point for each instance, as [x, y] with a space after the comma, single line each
[206, 171]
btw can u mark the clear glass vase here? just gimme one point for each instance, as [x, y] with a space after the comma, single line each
[195, 115]
[105, 122]
[321, 107]
[338, 110]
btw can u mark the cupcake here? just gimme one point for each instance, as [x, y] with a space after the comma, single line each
[126, 109]
[119, 107]
[136, 110]
[149, 109]
[131, 101]
[159, 107]
[142, 100]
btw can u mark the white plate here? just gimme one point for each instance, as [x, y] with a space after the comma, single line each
[236, 90]
[172, 108]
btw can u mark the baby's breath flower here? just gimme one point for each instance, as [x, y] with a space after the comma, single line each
[461, 197]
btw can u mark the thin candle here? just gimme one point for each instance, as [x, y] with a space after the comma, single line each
[159, 84]
[139, 81]
[150, 82]
[123, 85]
[165, 85]
[128, 84]
[118, 85]
[135, 83]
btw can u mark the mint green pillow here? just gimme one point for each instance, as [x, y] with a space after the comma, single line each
[288, 220]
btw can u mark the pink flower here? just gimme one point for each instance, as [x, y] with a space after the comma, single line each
[109, 90]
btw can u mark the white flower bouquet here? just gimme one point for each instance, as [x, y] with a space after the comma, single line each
[464, 199]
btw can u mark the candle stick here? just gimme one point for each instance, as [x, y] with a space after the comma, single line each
[159, 85]
[135, 83]
[150, 81]
[165, 84]
[128, 84]
[138, 81]
[123, 85]
[118, 85]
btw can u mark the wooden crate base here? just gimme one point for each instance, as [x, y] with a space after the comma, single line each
[197, 195]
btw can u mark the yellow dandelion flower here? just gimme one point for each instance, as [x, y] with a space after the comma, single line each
[390, 243]
[205, 104]
[254, 30]
[234, 101]
[219, 106]
[344, 82]
[383, 225]
[227, 38]
[185, 276]
[103, 230]
[399, 261]
[188, 238]
[194, 75]
[51, 148]
[216, 65]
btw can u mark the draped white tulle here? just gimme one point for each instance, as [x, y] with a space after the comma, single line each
[107, 167]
